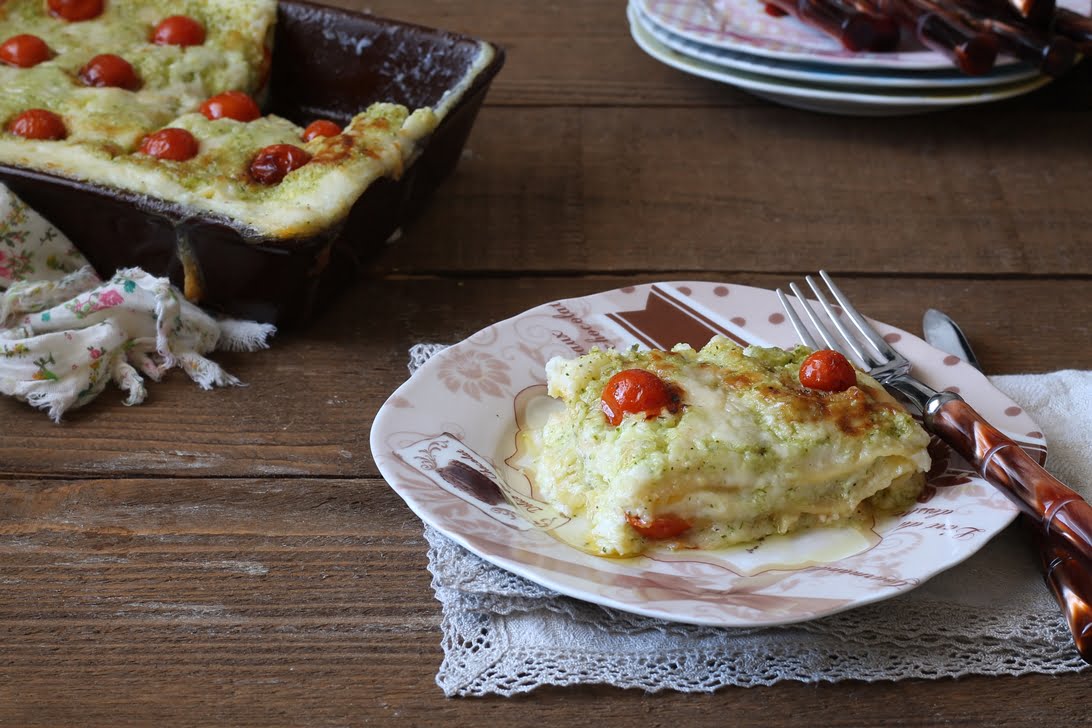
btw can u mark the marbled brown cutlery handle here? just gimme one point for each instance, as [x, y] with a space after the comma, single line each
[1078, 28]
[1053, 54]
[1063, 572]
[855, 29]
[1036, 13]
[973, 52]
[1071, 582]
[1057, 509]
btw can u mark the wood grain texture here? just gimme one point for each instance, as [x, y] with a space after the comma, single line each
[311, 398]
[264, 602]
[561, 54]
[759, 189]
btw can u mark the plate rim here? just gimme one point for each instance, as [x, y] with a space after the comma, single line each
[833, 100]
[383, 461]
[897, 78]
[921, 60]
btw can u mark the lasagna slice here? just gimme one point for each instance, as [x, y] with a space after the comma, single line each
[729, 447]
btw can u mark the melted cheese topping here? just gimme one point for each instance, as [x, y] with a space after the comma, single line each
[175, 80]
[751, 453]
[106, 125]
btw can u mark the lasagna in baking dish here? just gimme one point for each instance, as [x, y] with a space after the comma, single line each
[704, 449]
[159, 98]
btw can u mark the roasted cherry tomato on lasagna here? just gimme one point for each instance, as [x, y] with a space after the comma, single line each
[271, 164]
[109, 70]
[179, 30]
[75, 10]
[827, 370]
[231, 105]
[637, 391]
[172, 144]
[38, 124]
[320, 128]
[24, 51]
[665, 526]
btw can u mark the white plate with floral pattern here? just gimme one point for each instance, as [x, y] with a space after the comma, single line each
[832, 99]
[825, 74]
[446, 442]
[744, 26]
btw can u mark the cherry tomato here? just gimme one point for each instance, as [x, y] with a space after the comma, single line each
[75, 10]
[179, 30]
[665, 526]
[827, 370]
[637, 390]
[231, 105]
[24, 51]
[176, 145]
[109, 70]
[320, 128]
[38, 124]
[270, 165]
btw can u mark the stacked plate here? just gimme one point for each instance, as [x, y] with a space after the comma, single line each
[785, 61]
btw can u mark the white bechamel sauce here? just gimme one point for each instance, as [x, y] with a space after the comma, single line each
[749, 454]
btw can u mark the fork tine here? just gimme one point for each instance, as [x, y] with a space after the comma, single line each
[880, 346]
[820, 329]
[863, 356]
[801, 329]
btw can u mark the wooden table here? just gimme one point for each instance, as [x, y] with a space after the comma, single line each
[234, 558]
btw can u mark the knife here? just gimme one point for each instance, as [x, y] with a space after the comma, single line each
[1069, 578]
[941, 331]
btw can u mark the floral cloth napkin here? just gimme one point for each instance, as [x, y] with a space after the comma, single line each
[65, 332]
[991, 615]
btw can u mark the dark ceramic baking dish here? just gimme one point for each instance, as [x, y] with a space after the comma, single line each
[328, 63]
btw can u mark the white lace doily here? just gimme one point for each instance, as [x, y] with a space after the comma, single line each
[991, 615]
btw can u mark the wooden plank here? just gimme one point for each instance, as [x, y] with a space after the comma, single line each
[261, 602]
[560, 54]
[605, 190]
[549, 46]
[312, 397]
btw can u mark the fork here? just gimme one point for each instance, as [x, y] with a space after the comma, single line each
[1059, 512]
